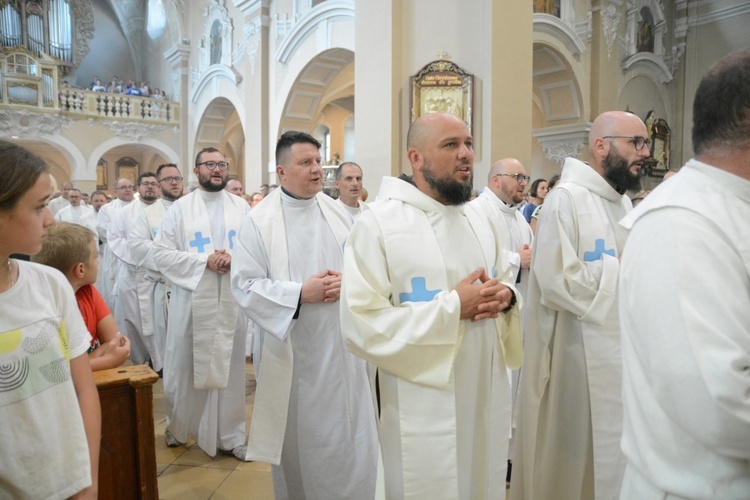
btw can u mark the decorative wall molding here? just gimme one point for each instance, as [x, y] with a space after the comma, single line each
[562, 141]
[654, 65]
[132, 131]
[216, 10]
[739, 9]
[610, 21]
[330, 10]
[551, 25]
[251, 37]
[83, 14]
[26, 123]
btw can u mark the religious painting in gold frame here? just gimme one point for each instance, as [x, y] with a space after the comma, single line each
[659, 131]
[101, 174]
[442, 87]
[127, 168]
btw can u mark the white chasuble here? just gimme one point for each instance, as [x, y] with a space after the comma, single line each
[206, 399]
[214, 315]
[570, 401]
[444, 390]
[313, 416]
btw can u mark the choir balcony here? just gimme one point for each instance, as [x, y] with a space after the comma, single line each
[32, 83]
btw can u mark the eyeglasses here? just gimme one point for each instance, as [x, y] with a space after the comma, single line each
[636, 140]
[211, 165]
[519, 177]
[130, 187]
[149, 184]
[170, 180]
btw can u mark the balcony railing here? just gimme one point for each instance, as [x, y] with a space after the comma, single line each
[30, 82]
[117, 106]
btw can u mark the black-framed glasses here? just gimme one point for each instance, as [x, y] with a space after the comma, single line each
[519, 177]
[211, 165]
[170, 180]
[636, 140]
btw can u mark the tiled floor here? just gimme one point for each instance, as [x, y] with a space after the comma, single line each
[188, 473]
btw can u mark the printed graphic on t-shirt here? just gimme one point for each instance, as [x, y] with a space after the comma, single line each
[33, 359]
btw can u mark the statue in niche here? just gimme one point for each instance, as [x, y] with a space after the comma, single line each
[645, 41]
[547, 7]
[216, 42]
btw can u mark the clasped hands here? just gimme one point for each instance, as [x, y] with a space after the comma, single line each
[219, 262]
[486, 299]
[322, 287]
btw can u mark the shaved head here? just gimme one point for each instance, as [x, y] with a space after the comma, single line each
[505, 166]
[423, 127]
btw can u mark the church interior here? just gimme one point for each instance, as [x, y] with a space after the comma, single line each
[236, 74]
[528, 77]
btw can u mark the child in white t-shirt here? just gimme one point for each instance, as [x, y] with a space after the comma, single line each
[49, 405]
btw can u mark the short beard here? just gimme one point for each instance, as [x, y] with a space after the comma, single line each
[617, 171]
[166, 195]
[452, 191]
[205, 182]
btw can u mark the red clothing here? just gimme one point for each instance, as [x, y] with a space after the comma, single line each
[93, 309]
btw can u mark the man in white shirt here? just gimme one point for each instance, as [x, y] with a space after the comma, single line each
[204, 363]
[130, 275]
[75, 210]
[234, 186]
[108, 265]
[61, 201]
[504, 191]
[420, 306]
[570, 405]
[349, 184]
[684, 296]
[313, 417]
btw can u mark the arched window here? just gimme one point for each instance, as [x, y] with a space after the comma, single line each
[39, 25]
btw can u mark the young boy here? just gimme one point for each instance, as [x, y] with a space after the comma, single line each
[72, 250]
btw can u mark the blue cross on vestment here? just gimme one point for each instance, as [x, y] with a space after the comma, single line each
[200, 242]
[598, 251]
[154, 230]
[231, 235]
[420, 292]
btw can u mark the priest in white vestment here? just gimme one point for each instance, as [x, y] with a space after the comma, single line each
[75, 210]
[684, 297]
[427, 303]
[153, 289]
[108, 264]
[130, 276]
[498, 202]
[313, 417]
[98, 200]
[204, 360]
[61, 201]
[349, 185]
[570, 405]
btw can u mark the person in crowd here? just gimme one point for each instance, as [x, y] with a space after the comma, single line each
[255, 198]
[313, 417]
[504, 191]
[204, 371]
[73, 250]
[349, 184]
[61, 201]
[109, 263]
[684, 295]
[49, 405]
[570, 419]
[537, 193]
[131, 300]
[234, 186]
[153, 290]
[420, 305]
[553, 181]
[75, 210]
